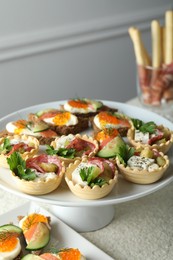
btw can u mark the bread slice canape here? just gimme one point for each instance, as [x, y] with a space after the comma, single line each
[39, 130]
[143, 134]
[85, 107]
[62, 122]
[91, 178]
[145, 166]
[36, 229]
[10, 246]
[60, 254]
[72, 147]
[38, 175]
[27, 146]
[110, 120]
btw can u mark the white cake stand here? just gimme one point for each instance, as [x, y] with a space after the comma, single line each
[89, 215]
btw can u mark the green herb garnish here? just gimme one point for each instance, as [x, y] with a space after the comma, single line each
[124, 153]
[18, 166]
[6, 146]
[63, 152]
[149, 127]
[91, 176]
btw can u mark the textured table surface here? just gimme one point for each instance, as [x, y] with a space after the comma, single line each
[142, 229]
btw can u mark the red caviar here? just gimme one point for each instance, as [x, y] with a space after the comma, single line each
[78, 103]
[62, 118]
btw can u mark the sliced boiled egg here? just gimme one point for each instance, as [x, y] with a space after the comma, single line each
[62, 119]
[108, 120]
[17, 127]
[26, 222]
[80, 106]
[9, 246]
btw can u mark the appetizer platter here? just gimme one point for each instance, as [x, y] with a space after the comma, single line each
[60, 238]
[102, 183]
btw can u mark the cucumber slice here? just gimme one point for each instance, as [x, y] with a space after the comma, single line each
[31, 257]
[41, 112]
[41, 240]
[11, 228]
[112, 148]
[37, 127]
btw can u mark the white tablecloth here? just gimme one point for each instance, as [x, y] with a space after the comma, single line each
[141, 230]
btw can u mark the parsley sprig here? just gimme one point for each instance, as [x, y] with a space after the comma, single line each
[149, 127]
[63, 152]
[6, 146]
[18, 166]
[92, 178]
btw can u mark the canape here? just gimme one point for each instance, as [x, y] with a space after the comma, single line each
[85, 107]
[144, 166]
[110, 120]
[91, 178]
[27, 146]
[39, 130]
[72, 147]
[143, 134]
[62, 122]
[38, 175]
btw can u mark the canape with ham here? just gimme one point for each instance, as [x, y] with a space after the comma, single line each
[143, 134]
[27, 146]
[71, 147]
[38, 175]
[91, 178]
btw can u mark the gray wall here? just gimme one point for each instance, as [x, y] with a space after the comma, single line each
[59, 49]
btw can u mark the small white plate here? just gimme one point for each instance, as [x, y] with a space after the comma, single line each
[62, 236]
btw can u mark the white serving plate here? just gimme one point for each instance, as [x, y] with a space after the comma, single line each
[123, 191]
[62, 236]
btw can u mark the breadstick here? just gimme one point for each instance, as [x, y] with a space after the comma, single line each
[169, 36]
[163, 47]
[156, 44]
[136, 39]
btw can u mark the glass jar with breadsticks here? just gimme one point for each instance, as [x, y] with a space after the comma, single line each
[155, 72]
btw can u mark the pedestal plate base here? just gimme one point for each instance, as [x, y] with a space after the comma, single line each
[85, 219]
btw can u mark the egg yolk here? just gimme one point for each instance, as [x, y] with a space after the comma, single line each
[78, 104]
[62, 118]
[20, 124]
[70, 254]
[106, 133]
[8, 243]
[32, 219]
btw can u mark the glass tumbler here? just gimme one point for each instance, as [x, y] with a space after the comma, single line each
[155, 86]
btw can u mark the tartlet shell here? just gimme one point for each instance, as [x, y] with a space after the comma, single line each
[67, 161]
[143, 176]
[25, 155]
[87, 192]
[38, 188]
[163, 147]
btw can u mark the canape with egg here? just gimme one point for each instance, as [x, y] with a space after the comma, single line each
[27, 146]
[36, 230]
[38, 175]
[113, 120]
[142, 166]
[10, 246]
[143, 134]
[62, 122]
[91, 178]
[39, 130]
[61, 254]
[72, 147]
[85, 107]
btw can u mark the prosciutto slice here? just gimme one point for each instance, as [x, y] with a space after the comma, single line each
[35, 162]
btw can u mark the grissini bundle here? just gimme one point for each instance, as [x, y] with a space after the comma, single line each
[155, 74]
